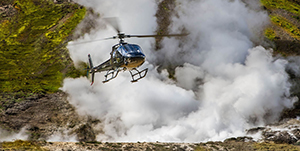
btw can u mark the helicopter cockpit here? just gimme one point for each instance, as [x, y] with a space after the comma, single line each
[123, 51]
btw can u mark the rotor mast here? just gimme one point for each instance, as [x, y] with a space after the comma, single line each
[122, 37]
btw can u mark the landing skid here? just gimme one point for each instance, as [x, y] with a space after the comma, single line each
[140, 74]
[111, 74]
[135, 74]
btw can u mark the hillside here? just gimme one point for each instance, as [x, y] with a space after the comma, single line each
[284, 30]
[284, 34]
[34, 61]
[33, 36]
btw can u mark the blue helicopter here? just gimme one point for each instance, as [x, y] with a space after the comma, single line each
[123, 56]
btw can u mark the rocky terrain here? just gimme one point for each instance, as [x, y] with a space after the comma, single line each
[234, 144]
[44, 116]
[45, 111]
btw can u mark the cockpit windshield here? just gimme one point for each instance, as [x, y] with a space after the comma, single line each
[129, 48]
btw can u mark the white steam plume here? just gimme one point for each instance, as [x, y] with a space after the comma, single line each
[10, 136]
[62, 136]
[224, 86]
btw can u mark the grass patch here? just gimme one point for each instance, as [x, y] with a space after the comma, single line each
[282, 4]
[32, 50]
[21, 145]
[201, 147]
[293, 30]
[270, 34]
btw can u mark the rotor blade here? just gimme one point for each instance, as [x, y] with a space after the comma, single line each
[145, 36]
[84, 42]
[114, 22]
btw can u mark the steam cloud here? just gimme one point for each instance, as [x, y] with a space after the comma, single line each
[226, 83]
[10, 136]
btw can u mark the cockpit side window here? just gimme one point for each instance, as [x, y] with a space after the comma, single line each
[117, 56]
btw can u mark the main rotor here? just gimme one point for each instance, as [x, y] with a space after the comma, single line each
[115, 24]
[121, 36]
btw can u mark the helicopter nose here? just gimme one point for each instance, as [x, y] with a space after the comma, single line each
[134, 62]
[136, 59]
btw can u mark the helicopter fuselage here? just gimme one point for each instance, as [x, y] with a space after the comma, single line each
[124, 56]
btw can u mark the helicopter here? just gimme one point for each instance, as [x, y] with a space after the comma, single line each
[123, 56]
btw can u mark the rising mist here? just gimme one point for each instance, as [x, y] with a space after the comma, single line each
[225, 84]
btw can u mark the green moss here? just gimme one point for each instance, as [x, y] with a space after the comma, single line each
[282, 22]
[32, 49]
[199, 148]
[293, 30]
[282, 4]
[21, 145]
[270, 33]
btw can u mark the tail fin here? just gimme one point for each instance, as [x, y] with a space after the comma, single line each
[91, 68]
[90, 61]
